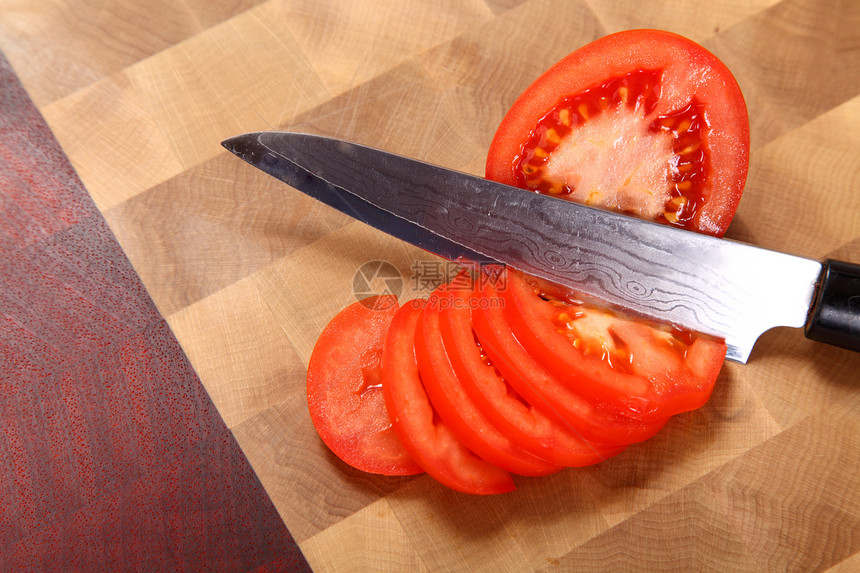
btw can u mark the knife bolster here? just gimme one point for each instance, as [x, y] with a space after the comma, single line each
[835, 315]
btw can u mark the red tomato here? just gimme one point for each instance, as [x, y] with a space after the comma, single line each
[427, 438]
[525, 425]
[545, 391]
[456, 409]
[644, 371]
[643, 122]
[344, 390]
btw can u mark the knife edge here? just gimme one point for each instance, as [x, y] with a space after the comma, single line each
[716, 286]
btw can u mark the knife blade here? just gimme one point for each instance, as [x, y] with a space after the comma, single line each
[719, 287]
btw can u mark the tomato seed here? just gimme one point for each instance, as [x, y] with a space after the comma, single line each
[564, 117]
[583, 111]
[685, 170]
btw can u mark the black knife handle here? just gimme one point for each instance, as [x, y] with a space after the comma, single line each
[835, 315]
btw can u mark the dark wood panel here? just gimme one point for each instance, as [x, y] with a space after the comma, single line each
[114, 456]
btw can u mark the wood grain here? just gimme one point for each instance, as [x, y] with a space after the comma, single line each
[113, 452]
[248, 273]
[80, 43]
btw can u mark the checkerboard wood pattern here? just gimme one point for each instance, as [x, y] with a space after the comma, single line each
[247, 272]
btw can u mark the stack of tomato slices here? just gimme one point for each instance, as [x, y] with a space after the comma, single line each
[500, 373]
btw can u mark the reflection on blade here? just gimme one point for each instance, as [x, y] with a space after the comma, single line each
[248, 148]
[715, 286]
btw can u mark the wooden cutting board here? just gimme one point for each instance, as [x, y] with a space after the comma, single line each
[247, 272]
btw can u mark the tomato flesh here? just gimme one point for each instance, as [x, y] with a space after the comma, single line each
[643, 371]
[545, 391]
[642, 122]
[598, 148]
[344, 390]
[423, 434]
[527, 426]
[450, 399]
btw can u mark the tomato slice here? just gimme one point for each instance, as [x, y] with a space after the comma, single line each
[425, 436]
[526, 426]
[643, 122]
[454, 405]
[344, 390]
[546, 392]
[643, 371]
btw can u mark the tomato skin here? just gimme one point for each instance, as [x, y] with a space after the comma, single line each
[545, 391]
[551, 403]
[345, 399]
[456, 408]
[684, 387]
[688, 73]
[427, 438]
[527, 426]
[661, 385]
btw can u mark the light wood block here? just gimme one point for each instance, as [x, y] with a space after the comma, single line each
[248, 271]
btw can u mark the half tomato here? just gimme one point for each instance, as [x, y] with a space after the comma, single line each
[643, 122]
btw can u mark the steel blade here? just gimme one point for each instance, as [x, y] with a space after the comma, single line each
[716, 286]
[250, 148]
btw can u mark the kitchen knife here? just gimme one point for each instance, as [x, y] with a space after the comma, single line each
[715, 286]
